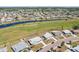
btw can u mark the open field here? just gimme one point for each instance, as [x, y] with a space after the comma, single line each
[14, 33]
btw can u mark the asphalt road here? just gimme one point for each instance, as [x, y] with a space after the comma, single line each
[58, 43]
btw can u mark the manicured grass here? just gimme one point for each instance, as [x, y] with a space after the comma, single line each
[14, 33]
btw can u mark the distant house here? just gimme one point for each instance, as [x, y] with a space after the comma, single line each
[6, 19]
[9, 19]
[19, 46]
[35, 40]
[3, 49]
[3, 19]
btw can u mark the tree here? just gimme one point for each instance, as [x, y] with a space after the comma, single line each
[76, 27]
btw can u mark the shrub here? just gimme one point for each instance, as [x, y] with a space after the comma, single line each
[76, 27]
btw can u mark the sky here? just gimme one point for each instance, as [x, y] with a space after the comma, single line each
[39, 3]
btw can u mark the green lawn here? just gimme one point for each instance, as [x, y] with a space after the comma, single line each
[14, 33]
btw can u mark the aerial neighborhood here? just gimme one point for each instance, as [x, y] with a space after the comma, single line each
[60, 34]
[54, 41]
[8, 14]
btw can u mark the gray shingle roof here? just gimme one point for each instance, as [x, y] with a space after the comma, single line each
[19, 46]
[35, 40]
[3, 49]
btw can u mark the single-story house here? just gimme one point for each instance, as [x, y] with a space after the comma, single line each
[19, 46]
[57, 33]
[67, 32]
[72, 39]
[76, 49]
[76, 31]
[35, 40]
[48, 35]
